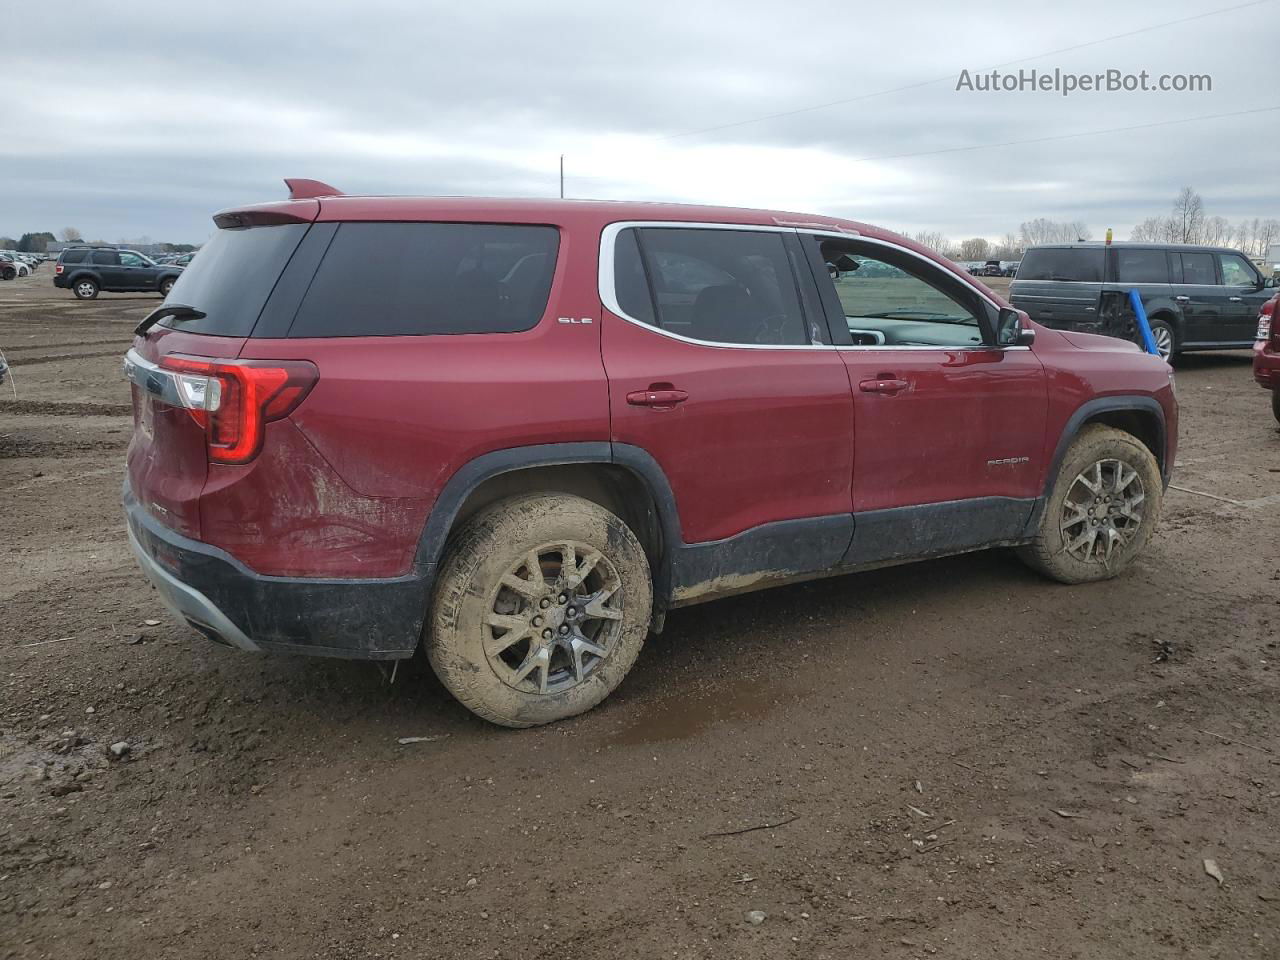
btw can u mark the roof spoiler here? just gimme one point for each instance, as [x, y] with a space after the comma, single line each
[307, 189]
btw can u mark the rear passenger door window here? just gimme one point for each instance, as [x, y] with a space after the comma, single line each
[398, 279]
[1198, 268]
[713, 285]
[1141, 266]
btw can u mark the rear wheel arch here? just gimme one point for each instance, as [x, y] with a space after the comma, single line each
[624, 480]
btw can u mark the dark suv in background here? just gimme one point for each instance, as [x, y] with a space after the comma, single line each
[87, 270]
[1196, 298]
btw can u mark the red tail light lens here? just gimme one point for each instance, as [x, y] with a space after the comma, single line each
[58, 268]
[233, 401]
[1266, 321]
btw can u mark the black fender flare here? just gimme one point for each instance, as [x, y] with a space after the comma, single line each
[82, 274]
[1125, 403]
[469, 476]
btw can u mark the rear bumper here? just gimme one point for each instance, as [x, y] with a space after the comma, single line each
[364, 619]
[61, 280]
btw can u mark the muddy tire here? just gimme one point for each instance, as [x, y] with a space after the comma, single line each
[1104, 506]
[540, 609]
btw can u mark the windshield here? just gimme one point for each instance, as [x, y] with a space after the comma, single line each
[233, 277]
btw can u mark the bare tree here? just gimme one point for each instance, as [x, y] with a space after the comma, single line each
[1188, 215]
[1216, 231]
[1150, 230]
[71, 235]
[1268, 233]
[932, 239]
[1041, 230]
[975, 248]
[1008, 248]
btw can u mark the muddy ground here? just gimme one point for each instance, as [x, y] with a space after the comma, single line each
[961, 759]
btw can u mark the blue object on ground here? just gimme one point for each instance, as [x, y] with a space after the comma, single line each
[1148, 341]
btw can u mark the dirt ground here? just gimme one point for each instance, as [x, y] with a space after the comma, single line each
[957, 758]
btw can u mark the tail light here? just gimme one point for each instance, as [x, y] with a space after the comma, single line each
[233, 401]
[58, 268]
[1266, 328]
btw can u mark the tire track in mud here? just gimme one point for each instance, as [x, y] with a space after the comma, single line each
[18, 447]
[59, 409]
[61, 357]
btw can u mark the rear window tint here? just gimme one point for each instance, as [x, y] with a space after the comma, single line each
[398, 279]
[1079, 264]
[233, 276]
[723, 286]
[106, 257]
[1141, 266]
[74, 256]
[1199, 268]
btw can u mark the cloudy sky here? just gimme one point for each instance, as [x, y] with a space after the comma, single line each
[159, 114]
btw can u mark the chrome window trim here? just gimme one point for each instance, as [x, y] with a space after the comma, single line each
[608, 296]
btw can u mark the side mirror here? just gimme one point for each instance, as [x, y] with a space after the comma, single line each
[1011, 331]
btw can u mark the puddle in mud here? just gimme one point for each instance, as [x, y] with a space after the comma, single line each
[678, 718]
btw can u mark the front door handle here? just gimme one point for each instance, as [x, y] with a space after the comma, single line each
[886, 385]
[1234, 299]
[1182, 299]
[659, 398]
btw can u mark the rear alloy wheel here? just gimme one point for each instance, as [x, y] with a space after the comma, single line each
[85, 289]
[8, 273]
[541, 608]
[165, 286]
[1162, 334]
[1104, 506]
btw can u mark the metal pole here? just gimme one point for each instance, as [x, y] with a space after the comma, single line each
[562, 176]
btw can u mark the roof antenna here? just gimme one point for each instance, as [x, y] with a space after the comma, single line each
[307, 189]
[562, 176]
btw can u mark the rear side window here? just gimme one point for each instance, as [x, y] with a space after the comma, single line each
[1078, 264]
[233, 276]
[1141, 266]
[74, 256]
[1198, 268]
[106, 257]
[719, 286]
[398, 279]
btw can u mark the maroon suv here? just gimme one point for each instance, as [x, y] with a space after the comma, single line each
[1266, 352]
[518, 432]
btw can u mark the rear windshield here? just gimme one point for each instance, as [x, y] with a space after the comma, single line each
[233, 276]
[1080, 264]
[398, 279]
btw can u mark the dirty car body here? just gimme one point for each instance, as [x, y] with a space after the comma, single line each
[341, 384]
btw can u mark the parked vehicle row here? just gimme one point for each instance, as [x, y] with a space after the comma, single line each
[1195, 298]
[993, 268]
[518, 432]
[88, 270]
[14, 264]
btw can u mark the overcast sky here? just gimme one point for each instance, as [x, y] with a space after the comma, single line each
[144, 119]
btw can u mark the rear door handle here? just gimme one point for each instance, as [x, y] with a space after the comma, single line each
[1182, 299]
[665, 398]
[887, 386]
[1234, 299]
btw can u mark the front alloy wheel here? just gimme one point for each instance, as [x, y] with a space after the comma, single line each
[1162, 334]
[1102, 511]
